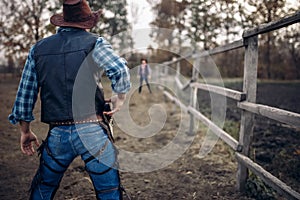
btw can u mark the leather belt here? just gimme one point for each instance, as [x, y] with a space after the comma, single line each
[73, 122]
[106, 124]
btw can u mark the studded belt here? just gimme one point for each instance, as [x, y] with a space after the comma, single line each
[73, 122]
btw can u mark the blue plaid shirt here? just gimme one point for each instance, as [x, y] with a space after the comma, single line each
[115, 67]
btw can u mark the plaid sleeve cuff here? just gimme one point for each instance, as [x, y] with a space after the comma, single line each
[14, 120]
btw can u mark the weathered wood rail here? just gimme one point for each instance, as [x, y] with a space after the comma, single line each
[246, 101]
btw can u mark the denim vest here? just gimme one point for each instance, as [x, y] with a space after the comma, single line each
[58, 60]
[146, 72]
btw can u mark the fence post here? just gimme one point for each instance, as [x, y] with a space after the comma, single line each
[178, 69]
[158, 74]
[177, 90]
[193, 94]
[166, 75]
[247, 118]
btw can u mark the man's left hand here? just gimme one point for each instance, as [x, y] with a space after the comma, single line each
[27, 138]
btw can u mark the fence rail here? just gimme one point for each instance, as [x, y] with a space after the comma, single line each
[228, 139]
[268, 178]
[272, 26]
[233, 94]
[246, 101]
[277, 114]
[228, 47]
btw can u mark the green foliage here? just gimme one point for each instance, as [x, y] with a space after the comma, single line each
[256, 188]
[291, 164]
[233, 128]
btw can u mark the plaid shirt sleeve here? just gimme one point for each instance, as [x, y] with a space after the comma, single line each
[115, 67]
[27, 93]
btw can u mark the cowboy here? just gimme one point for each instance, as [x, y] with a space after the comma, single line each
[144, 72]
[63, 68]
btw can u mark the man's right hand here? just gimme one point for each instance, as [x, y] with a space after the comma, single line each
[117, 102]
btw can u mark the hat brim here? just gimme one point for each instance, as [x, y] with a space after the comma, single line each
[58, 20]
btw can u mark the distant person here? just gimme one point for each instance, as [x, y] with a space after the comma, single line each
[144, 73]
[51, 69]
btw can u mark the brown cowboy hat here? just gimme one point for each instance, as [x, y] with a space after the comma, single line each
[76, 13]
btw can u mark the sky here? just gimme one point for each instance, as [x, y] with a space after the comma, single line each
[144, 12]
[140, 16]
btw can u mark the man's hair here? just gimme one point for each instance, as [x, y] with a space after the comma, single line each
[144, 59]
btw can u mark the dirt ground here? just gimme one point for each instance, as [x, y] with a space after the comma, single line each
[186, 178]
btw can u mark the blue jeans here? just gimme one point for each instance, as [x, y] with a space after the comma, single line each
[62, 146]
[142, 78]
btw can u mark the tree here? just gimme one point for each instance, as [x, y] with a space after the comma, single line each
[267, 11]
[289, 44]
[168, 26]
[232, 15]
[204, 24]
[232, 19]
[113, 24]
[22, 23]
[25, 22]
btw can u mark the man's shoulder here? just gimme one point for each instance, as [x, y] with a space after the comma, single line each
[45, 39]
[94, 34]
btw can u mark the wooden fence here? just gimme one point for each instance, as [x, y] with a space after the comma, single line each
[246, 101]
